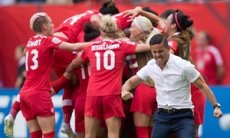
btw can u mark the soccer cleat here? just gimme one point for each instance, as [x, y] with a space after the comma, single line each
[68, 131]
[9, 126]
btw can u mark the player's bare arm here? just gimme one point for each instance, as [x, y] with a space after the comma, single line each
[73, 46]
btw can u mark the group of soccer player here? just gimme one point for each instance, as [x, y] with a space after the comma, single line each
[104, 45]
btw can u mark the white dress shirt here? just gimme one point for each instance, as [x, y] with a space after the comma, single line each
[173, 83]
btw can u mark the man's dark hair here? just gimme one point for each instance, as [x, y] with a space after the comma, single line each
[166, 13]
[109, 7]
[38, 23]
[159, 39]
[90, 32]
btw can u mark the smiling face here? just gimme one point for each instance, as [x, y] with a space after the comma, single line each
[134, 31]
[169, 26]
[160, 54]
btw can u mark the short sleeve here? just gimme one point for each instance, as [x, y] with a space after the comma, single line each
[129, 47]
[143, 73]
[190, 73]
[53, 42]
[173, 45]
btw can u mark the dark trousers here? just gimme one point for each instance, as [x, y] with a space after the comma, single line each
[181, 123]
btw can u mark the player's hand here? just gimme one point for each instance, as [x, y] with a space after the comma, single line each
[132, 13]
[126, 95]
[217, 112]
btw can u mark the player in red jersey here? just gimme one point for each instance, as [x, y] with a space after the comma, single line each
[106, 60]
[72, 31]
[35, 101]
[208, 59]
[83, 73]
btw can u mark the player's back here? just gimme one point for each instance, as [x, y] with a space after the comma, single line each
[106, 64]
[39, 59]
[74, 25]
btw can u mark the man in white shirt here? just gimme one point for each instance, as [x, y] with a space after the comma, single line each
[172, 77]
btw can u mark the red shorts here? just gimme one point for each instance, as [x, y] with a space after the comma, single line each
[104, 107]
[144, 100]
[80, 114]
[35, 104]
[199, 101]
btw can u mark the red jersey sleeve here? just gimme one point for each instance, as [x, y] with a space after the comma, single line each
[84, 55]
[53, 42]
[122, 21]
[173, 45]
[129, 47]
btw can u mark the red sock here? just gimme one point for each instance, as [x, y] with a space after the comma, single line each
[67, 105]
[60, 83]
[142, 132]
[174, 135]
[150, 131]
[36, 134]
[49, 135]
[15, 108]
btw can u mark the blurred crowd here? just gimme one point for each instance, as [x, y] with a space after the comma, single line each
[9, 2]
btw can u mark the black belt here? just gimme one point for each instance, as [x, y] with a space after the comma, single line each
[173, 110]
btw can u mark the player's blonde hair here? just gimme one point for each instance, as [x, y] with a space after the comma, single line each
[143, 23]
[109, 28]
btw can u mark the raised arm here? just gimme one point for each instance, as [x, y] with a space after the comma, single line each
[138, 11]
[74, 64]
[201, 84]
[73, 46]
[128, 85]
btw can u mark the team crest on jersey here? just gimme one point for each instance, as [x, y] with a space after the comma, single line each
[56, 40]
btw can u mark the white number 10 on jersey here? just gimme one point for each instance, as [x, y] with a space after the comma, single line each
[105, 60]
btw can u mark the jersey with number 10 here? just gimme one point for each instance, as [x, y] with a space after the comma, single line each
[106, 60]
[39, 59]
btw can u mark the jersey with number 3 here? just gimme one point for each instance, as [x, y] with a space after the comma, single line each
[39, 59]
[106, 60]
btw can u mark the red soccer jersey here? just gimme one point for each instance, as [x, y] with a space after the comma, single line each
[207, 61]
[122, 21]
[72, 26]
[106, 60]
[39, 59]
[83, 74]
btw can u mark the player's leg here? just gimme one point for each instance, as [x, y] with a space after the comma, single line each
[91, 127]
[35, 131]
[199, 103]
[112, 114]
[67, 108]
[9, 119]
[47, 125]
[79, 109]
[143, 106]
[142, 123]
[113, 125]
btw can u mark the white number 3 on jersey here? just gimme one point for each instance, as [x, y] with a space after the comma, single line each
[34, 54]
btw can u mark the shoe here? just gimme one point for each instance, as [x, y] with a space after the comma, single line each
[68, 131]
[9, 126]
